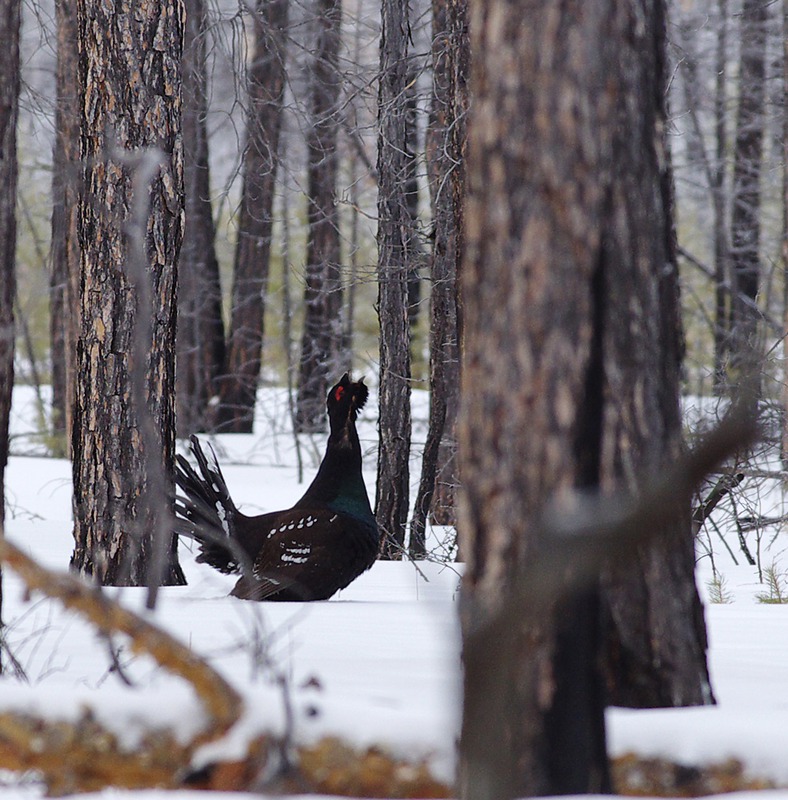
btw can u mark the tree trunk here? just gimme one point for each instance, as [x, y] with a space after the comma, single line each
[9, 107]
[721, 244]
[200, 341]
[130, 230]
[64, 278]
[745, 215]
[784, 248]
[266, 80]
[656, 634]
[445, 154]
[412, 195]
[571, 351]
[395, 262]
[322, 336]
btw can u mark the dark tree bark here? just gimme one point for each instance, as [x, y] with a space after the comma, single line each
[745, 214]
[395, 262]
[712, 160]
[656, 634]
[200, 341]
[571, 353]
[9, 107]
[66, 170]
[130, 231]
[412, 196]
[784, 249]
[445, 154]
[238, 384]
[721, 243]
[321, 341]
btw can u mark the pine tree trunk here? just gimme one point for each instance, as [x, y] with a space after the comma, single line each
[266, 80]
[322, 336]
[395, 262]
[445, 153]
[656, 634]
[130, 230]
[412, 196]
[64, 278]
[784, 249]
[200, 341]
[721, 247]
[569, 382]
[745, 215]
[9, 107]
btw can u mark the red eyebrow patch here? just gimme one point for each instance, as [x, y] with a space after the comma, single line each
[340, 390]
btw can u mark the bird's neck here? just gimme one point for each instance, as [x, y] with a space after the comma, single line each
[339, 474]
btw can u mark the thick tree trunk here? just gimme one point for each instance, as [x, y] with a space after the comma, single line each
[200, 342]
[445, 152]
[321, 341]
[266, 80]
[570, 379]
[9, 107]
[395, 262]
[656, 639]
[745, 216]
[64, 278]
[130, 230]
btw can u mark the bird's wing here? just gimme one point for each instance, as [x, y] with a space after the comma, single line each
[308, 555]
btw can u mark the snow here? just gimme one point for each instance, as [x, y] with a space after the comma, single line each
[378, 664]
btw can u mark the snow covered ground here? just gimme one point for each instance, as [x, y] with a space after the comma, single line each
[377, 664]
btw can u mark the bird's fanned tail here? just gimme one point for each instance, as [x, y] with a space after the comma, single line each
[207, 514]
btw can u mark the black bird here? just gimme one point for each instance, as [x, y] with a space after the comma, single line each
[307, 552]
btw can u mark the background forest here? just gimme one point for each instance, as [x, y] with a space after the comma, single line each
[216, 208]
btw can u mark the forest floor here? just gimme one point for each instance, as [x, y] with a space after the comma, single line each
[365, 687]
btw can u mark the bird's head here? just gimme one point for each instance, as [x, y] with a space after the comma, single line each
[345, 400]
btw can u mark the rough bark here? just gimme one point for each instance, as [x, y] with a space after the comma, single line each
[412, 195]
[394, 267]
[784, 248]
[721, 244]
[10, 13]
[445, 153]
[200, 342]
[265, 84]
[64, 276]
[745, 214]
[570, 375]
[9, 108]
[130, 229]
[321, 340]
[656, 636]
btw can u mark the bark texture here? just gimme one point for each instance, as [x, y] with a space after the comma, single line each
[321, 341]
[445, 152]
[200, 342]
[570, 379]
[394, 268]
[66, 171]
[130, 231]
[745, 214]
[9, 108]
[265, 83]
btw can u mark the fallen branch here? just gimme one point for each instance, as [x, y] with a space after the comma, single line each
[97, 757]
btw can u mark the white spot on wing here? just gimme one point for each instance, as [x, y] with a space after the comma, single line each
[294, 559]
